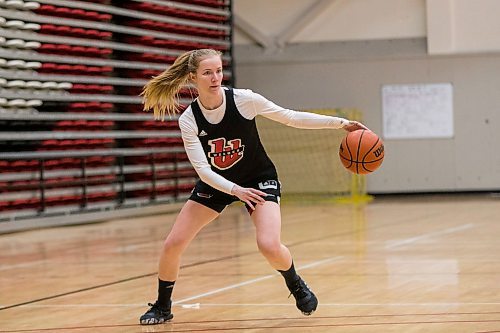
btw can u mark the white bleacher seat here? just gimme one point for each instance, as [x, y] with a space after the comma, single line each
[2, 41]
[31, 26]
[33, 65]
[14, 4]
[14, 24]
[32, 45]
[16, 63]
[2, 21]
[33, 85]
[15, 43]
[3, 62]
[16, 84]
[3, 82]
[17, 103]
[49, 85]
[64, 85]
[31, 5]
[3, 101]
[34, 103]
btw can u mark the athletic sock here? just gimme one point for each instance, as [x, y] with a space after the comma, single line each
[290, 275]
[165, 292]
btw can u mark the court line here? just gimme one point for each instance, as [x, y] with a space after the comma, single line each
[298, 243]
[133, 305]
[407, 241]
[5, 307]
[262, 278]
[22, 265]
[358, 304]
[309, 326]
[299, 319]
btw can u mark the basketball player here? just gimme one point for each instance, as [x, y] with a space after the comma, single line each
[221, 140]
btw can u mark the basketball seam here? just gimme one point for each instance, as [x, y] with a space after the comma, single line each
[357, 153]
[350, 155]
[368, 152]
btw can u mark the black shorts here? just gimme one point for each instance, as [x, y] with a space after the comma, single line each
[217, 200]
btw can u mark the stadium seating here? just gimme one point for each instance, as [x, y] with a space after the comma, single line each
[75, 79]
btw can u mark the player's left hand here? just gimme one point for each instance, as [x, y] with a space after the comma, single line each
[353, 125]
[248, 195]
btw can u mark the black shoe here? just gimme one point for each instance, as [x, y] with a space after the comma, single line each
[157, 314]
[305, 299]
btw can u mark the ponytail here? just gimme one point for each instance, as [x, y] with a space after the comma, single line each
[161, 92]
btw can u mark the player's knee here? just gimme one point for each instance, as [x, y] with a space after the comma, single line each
[174, 245]
[270, 248]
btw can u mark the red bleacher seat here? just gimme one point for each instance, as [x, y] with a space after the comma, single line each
[52, 163]
[91, 89]
[47, 29]
[209, 3]
[77, 13]
[92, 16]
[5, 205]
[74, 50]
[62, 12]
[100, 160]
[19, 204]
[45, 9]
[174, 12]
[104, 17]
[90, 107]
[101, 196]
[63, 30]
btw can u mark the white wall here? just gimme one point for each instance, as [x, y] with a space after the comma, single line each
[340, 20]
[463, 26]
[350, 72]
[450, 26]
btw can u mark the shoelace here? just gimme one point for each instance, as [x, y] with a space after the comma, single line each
[299, 288]
[156, 307]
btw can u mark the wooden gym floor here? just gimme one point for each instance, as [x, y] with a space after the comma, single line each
[428, 264]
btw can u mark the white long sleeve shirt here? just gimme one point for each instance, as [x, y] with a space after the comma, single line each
[250, 105]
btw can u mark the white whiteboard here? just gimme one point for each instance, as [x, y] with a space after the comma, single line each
[414, 111]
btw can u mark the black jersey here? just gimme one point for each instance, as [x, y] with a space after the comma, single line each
[233, 147]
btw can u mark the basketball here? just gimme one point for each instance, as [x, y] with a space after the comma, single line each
[361, 152]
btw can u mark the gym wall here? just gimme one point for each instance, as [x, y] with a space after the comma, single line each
[388, 42]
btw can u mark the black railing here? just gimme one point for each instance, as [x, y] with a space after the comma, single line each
[132, 177]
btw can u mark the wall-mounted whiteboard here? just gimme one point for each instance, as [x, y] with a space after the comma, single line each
[415, 111]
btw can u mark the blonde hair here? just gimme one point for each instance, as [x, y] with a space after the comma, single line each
[161, 92]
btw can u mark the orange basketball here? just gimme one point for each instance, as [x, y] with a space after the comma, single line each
[361, 151]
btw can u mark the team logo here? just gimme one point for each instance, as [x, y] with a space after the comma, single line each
[268, 184]
[224, 155]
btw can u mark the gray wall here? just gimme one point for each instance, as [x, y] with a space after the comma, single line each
[351, 74]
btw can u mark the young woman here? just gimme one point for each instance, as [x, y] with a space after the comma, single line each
[222, 143]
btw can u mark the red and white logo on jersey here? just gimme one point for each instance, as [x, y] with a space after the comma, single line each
[224, 155]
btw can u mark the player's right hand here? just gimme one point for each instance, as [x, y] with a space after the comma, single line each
[353, 125]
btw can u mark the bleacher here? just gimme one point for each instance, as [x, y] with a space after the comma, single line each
[74, 138]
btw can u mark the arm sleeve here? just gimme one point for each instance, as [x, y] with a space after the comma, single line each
[298, 119]
[198, 159]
